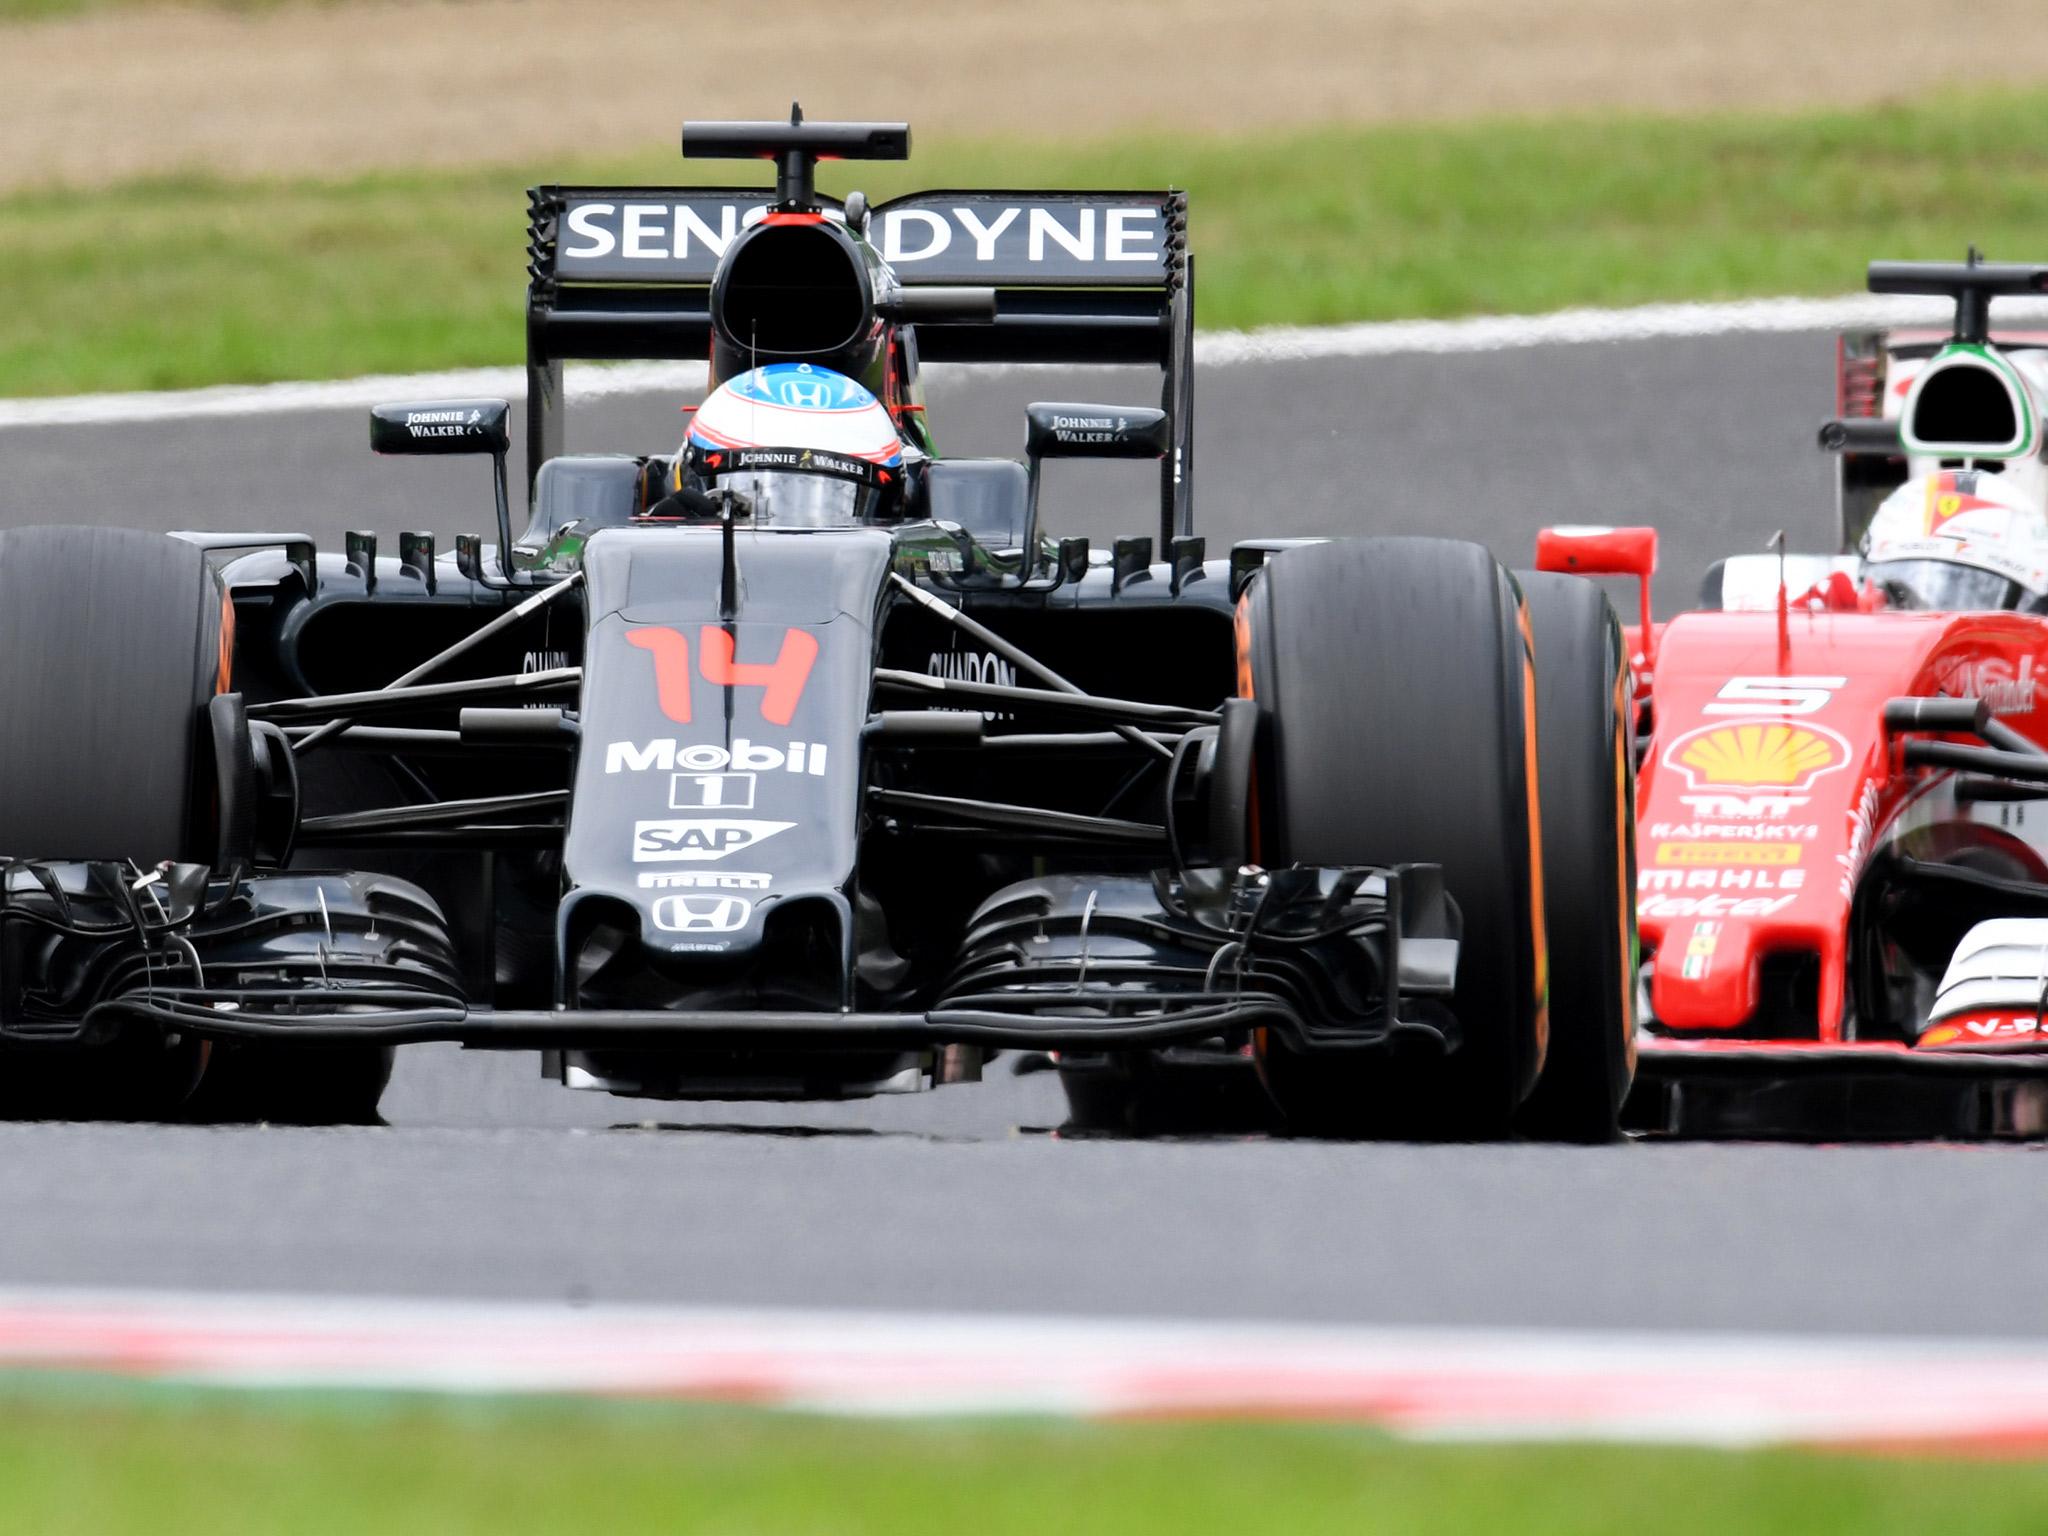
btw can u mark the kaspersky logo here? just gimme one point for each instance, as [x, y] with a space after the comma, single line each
[1749, 755]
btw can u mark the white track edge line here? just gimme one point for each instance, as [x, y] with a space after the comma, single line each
[1213, 349]
[1425, 1383]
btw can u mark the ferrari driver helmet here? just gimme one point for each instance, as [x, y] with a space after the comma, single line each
[1959, 541]
[802, 446]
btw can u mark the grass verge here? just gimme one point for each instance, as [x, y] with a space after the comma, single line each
[175, 283]
[168, 1463]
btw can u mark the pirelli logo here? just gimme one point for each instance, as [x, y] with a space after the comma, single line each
[1720, 855]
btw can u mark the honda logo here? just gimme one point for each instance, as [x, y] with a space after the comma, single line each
[803, 394]
[702, 914]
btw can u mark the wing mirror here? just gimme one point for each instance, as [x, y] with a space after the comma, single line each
[441, 426]
[1061, 430]
[453, 426]
[1606, 552]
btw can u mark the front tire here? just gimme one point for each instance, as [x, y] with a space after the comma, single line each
[1394, 683]
[112, 643]
[1587, 771]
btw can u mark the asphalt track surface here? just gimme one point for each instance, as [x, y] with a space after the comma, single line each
[490, 1182]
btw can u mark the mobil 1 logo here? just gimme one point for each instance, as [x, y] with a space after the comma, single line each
[711, 792]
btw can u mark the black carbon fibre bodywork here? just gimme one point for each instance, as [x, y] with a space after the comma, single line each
[701, 808]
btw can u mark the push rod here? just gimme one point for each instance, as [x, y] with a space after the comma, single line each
[1016, 655]
[460, 648]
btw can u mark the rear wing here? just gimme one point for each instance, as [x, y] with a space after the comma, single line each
[1080, 277]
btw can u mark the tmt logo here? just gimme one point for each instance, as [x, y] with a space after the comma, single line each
[781, 681]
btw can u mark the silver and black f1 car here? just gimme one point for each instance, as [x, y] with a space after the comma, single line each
[808, 766]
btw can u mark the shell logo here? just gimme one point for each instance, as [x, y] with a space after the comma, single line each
[1753, 754]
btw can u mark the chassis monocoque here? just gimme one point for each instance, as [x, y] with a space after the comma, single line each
[705, 809]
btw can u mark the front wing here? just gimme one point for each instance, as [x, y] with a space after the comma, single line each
[1848, 1091]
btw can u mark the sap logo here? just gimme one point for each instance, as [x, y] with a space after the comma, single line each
[663, 842]
[702, 914]
[665, 755]
[702, 880]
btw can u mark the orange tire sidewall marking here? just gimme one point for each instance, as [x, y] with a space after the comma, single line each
[226, 670]
[1243, 625]
[1624, 818]
[1262, 1042]
[1538, 935]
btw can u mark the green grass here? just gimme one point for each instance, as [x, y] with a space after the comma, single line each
[196, 281]
[212, 1464]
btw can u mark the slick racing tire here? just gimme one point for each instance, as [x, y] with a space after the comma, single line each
[113, 646]
[1586, 766]
[112, 642]
[1394, 684]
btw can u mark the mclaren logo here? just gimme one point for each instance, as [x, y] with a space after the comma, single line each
[702, 914]
[1747, 755]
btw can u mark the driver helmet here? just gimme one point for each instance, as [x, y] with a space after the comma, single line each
[1959, 541]
[806, 447]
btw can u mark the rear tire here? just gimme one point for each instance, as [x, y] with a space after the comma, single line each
[1393, 682]
[1587, 772]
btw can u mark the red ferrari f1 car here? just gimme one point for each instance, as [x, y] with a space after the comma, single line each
[1843, 767]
